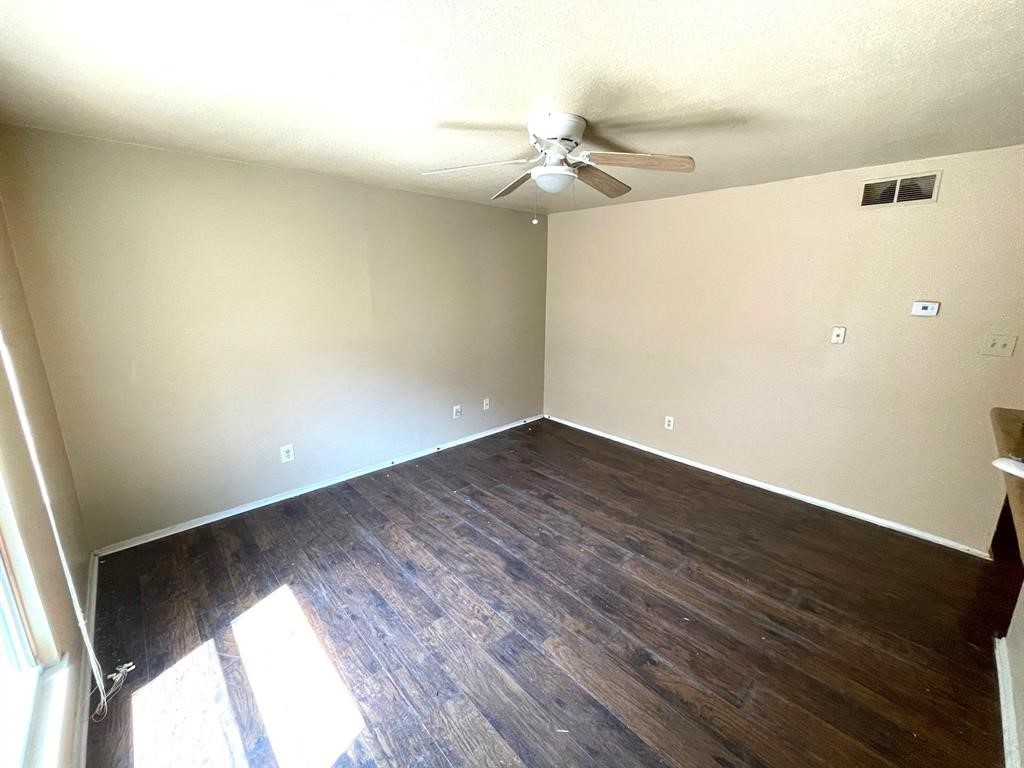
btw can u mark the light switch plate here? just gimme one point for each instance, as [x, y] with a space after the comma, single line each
[999, 345]
[924, 308]
[838, 334]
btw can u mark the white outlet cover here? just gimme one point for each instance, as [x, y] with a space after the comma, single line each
[456, 411]
[487, 403]
[999, 345]
[670, 422]
[838, 334]
[287, 453]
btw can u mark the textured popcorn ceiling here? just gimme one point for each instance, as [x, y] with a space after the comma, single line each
[755, 91]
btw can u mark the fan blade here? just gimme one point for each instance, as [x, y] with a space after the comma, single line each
[509, 189]
[597, 138]
[678, 163]
[607, 185]
[713, 120]
[465, 125]
[517, 161]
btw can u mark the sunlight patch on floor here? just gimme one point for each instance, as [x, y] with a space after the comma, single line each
[310, 715]
[184, 717]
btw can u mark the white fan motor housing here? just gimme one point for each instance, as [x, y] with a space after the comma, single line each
[561, 127]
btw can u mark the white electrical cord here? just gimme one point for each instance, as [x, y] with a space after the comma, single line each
[119, 676]
[116, 682]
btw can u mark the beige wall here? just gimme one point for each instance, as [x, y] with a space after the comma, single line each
[196, 314]
[24, 524]
[716, 308]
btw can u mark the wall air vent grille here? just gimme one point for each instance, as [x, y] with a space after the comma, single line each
[916, 188]
[879, 192]
[909, 189]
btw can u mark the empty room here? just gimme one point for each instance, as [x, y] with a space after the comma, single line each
[512, 384]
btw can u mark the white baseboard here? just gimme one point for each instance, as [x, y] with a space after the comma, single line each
[881, 521]
[196, 522]
[1011, 747]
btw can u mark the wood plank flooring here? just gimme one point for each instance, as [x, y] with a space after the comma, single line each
[544, 597]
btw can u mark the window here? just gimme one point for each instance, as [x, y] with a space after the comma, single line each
[19, 674]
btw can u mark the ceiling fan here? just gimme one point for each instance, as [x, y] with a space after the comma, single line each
[556, 136]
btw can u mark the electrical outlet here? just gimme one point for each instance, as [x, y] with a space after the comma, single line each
[838, 334]
[487, 403]
[924, 308]
[670, 422]
[456, 411]
[287, 453]
[999, 345]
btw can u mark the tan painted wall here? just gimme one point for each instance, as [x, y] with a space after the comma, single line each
[716, 308]
[196, 314]
[37, 567]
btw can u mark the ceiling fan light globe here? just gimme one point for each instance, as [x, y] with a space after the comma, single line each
[553, 178]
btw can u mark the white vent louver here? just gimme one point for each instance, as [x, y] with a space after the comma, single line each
[908, 189]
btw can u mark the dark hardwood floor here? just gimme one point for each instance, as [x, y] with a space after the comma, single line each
[544, 597]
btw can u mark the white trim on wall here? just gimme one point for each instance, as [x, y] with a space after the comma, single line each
[1011, 747]
[196, 522]
[881, 521]
[81, 741]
